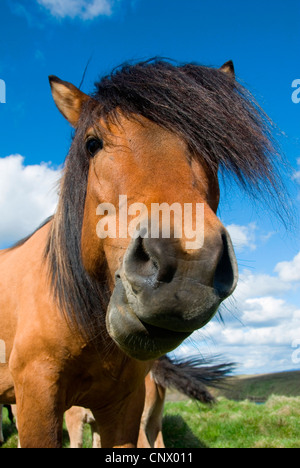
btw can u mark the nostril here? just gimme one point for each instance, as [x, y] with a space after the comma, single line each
[225, 278]
[150, 262]
[166, 273]
[140, 263]
[141, 253]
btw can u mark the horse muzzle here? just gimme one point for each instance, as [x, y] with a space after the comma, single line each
[163, 293]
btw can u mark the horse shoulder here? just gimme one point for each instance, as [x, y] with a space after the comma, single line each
[34, 328]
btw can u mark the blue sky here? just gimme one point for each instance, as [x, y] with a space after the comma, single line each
[43, 37]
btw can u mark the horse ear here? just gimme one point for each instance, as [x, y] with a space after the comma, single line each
[68, 98]
[228, 68]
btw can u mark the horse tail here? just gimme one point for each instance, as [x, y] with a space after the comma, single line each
[191, 377]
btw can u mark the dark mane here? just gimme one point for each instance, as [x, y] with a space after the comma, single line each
[81, 299]
[216, 116]
[218, 119]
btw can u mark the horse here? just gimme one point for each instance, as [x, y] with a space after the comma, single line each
[84, 313]
[189, 377]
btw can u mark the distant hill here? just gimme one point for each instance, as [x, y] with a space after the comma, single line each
[260, 387]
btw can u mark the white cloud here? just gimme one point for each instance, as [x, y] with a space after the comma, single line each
[268, 310]
[84, 9]
[289, 271]
[243, 237]
[258, 285]
[27, 197]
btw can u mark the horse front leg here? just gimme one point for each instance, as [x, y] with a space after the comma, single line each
[75, 419]
[120, 422]
[150, 435]
[39, 407]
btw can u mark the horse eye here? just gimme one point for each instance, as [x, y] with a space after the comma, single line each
[93, 145]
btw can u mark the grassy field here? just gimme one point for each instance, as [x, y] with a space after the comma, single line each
[229, 423]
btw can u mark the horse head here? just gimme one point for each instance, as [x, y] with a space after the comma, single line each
[162, 287]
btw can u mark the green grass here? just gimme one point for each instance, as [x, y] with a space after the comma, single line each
[228, 424]
[9, 431]
[231, 424]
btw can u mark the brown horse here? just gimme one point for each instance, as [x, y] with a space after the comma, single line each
[83, 314]
[189, 377]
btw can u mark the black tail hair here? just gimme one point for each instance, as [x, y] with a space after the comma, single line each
[191, 377]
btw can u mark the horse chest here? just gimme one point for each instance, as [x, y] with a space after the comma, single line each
[105, 381]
